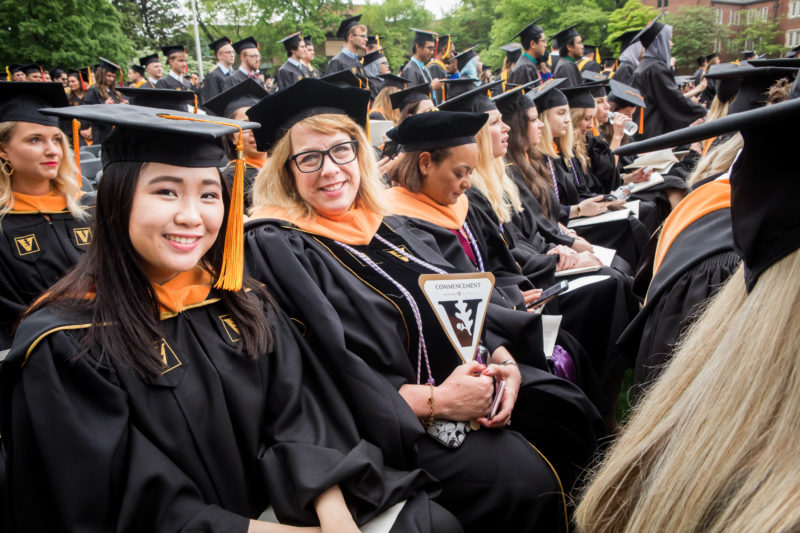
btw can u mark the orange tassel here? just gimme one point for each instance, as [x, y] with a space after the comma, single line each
[595, 131]
[76, 149]
[83, 83]
[707, 144]
[641, 120]
[195, 103]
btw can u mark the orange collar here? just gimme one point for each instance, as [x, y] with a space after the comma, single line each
[356, 227]
[184, 290]
[52, 202]
[418, 205]
[700, 202]
[253, 162]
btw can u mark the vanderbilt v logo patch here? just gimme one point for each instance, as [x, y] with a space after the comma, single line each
[168, 356]
[26, 244]
[83, 236]
[230, 327]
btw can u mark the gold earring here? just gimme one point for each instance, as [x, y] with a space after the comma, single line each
[7, 168]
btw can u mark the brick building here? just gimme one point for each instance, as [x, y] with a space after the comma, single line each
[737, 13]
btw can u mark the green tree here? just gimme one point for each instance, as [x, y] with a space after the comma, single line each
[590, 19]
[70, 33]
[151, 23]
[694, 32]
[632, 16]
[391, 20]
[470, 24]
[761, 35]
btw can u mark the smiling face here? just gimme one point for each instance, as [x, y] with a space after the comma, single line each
[498, 130]
[34, 151]
[559, 120]
[445, 181]
[175, 217]
[74, 83]
[332, 189]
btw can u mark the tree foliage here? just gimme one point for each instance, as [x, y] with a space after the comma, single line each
[760, 35]
[151, 23]
[693, 34]
[632, 16]
[69, 33]
[391, 20]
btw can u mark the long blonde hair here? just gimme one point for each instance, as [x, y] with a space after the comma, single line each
[718, 160]
[718, 109]
[713, 445]
[546, 141]
[383, 104]
[491, 179]
[577, 115]
[64, 182]
[275, 185]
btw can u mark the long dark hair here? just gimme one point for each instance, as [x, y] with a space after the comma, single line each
[125, 311]
[529, 165]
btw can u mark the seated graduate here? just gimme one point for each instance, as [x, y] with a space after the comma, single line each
[156, 388]
[43, 216]
[713, 444]
[349, 275]
[381, 108]
[233, 103]
[103, 92]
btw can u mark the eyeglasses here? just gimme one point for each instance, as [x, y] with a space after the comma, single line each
[360, 35]
[311, 161]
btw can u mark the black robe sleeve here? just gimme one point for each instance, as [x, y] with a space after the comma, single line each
[604, 166]
[624, 72]
[569, 70]
[215, 83]
[524, 71]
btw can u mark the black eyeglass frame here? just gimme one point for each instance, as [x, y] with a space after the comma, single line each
[323, 153]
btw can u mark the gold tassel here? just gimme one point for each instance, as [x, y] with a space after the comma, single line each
[9, 77]
[76, 149]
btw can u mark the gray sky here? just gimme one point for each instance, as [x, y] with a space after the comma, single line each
[437, 7]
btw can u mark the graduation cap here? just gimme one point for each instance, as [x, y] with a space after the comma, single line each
[455, 87]
[414, 94]
[777, 62]
[392, 80]
[648, 34]
[764, 217]
[702, 60]
[144, 135]
[463, 58]
[439, 129]
[343, 78]
[421, 36]
[245, 44]
[278, 112]
[475, 100]
[109, 66]
[307, 40]
[711, 56]
[589, 76]
[581, 97]
[20, 101]
[159, 98]
[31, 68]
[219, 43]
[289, 42]
[729, 76]
[596, 82]
[56, 72]
[625, 95]
[754, 84]
[443, 43]
[172, 49]
[372, 40]
[372, 57]
[346, 24]
[748, 54]
[609, 61]
[565, 36]
[589, 49]
[146, 60]
[547, 96]
[512, 50]
[626, 39]
[244, 94]
[793, 52]
[14, 67]
[526, 33]
[138, 69]
[514, 100]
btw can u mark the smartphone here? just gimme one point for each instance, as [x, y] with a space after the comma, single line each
[549, 294]
[609, 198]
[498, 395]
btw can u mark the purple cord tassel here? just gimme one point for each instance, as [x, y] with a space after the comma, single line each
[563, 365]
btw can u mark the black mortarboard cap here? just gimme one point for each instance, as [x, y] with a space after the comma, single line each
[626, 39]
[343, 78]
[754, 84]
[372, 40]
[514, 100]
[590, 76]
[589, 49]
[146, 60]
[393, 80]
[457, 86]
[244, 94]
[526, 33]
[108, 65]
[729, 76]
[159, 98]
[417, 93]
[778, 62]
[512, 50]
[421, 36]
[748, 54]
[15, 67]
[580, 97]
[625, 94]
[438, 129]
[648, 34]
[702, 60]
[346, 24]
[31, 68]
[307, 40]
[372, 57]
[245, 44]
[56, 71]
[547, 96]
[20, 101]
[278, 112]
[290, 41]
[138, 68]
[172, 49]
[443, 42]
[219, 43]
[711, 56]
[464, 57]
[475, 100]
[565, 36]
[766, 223]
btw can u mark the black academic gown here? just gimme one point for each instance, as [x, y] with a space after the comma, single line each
[589, 65]
[312, 71]
[566, 68]
[238, 77]
[437, 71]
[35, 253]
[624, 72]
[342, 61]
[289, 74]
[667, 108]
[92, 97]
[342, 303]
[215, 83]
[168, 82]
[524, 71]
[206, 446]
[697, 77]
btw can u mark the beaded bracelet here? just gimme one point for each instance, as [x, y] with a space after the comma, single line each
[429, 422]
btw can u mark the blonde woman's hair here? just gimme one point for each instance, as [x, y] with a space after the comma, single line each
[64, 182]
[491, 179]
[546, 141]
[718, 109]
[579, 140]
[713, 446]
[718, 160]
[275, 184]
[383, 104]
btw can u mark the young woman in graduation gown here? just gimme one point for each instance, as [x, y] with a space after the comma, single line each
[103, 92]
[349, 276]
[156, 389]
[44, 220]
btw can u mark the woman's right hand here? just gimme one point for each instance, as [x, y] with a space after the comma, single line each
[619, 124]
[593, 206]
[464, 396]
[567, 257]
[582, 245]
[586, 259]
